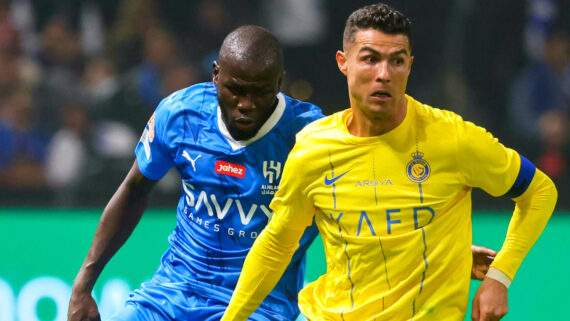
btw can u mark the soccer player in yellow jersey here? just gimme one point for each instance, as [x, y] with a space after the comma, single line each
[388, 183]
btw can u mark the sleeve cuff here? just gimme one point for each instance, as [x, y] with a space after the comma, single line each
[497, 275]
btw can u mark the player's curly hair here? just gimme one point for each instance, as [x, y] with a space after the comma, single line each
[378, 16]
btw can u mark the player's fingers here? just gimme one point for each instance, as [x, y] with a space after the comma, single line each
[489, 251]
[490, 313]
[483, 250]
[489, 317]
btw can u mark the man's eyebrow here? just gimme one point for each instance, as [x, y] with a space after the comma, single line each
[396, 53]
[401, 51]
[365, 48]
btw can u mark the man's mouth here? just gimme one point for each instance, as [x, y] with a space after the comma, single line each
[244, 123]
[381, 94]
[244, 120]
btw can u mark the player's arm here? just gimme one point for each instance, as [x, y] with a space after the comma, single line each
[119, 219]
[273, 249]
[485, 163]
[532, 211]
[263, 267]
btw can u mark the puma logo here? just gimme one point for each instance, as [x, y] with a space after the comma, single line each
[192, 161]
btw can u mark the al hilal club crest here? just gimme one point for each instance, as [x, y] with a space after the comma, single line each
[418, 169]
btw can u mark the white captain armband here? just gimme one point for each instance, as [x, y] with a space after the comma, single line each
[497, 275]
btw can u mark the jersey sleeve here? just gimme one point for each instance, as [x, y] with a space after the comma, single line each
[277, 243]
[308, 115]
[484, 162]
[501, 171]
[532, 211]
[153, 157]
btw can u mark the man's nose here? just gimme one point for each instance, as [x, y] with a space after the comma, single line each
[383, 72]
[245, 103]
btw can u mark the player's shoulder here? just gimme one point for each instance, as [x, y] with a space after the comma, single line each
[323, 127]
[433, 115]
[199, 98]
[300, 107]
[297, 114]
[303, 111]
[447, 123]
[312, 141]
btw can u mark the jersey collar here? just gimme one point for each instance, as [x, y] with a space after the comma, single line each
[269, 124]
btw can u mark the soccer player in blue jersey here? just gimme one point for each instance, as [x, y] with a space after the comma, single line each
[388, 183]
[229, 141]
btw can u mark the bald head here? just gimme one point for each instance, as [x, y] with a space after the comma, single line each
[252, 46]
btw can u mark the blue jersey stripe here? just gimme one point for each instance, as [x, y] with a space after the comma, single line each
[526, 174]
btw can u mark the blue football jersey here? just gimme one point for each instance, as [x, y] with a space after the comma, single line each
[227, 186]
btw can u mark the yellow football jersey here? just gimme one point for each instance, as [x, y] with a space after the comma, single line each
[394, 213]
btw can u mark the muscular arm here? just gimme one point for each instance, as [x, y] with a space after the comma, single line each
[119, 219]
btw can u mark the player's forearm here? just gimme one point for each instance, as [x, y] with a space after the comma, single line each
[119, 219]
[532, 212]
[263, 267]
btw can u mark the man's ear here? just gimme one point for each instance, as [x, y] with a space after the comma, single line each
[215, 71]
[341, 61]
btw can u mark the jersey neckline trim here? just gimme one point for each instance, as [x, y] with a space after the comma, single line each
[269, 124]
[398, 133]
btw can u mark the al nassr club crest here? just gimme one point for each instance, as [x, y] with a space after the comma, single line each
[418, 169]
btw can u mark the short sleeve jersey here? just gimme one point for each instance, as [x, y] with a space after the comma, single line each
[227, 186]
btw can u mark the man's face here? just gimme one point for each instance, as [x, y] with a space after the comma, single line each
[377, 66]
[246, 94]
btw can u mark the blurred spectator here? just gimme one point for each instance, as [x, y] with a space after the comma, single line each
[9, 40]
[132, 96]
[300, 25]
[67, 151]
[538, 89]
[23, 144]
[554, 133]
[92, 29]
[214, 21]
[179, 75]
[160, 52]
[127, 36]
[23, 16]
[541, 15]
[539, 111]
[61, 47]
[62, 62]
[9, 78]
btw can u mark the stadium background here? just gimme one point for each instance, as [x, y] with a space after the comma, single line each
[79, 79]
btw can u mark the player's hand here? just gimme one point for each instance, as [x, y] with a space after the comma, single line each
[490, 302]
[482, 258]
[82, 307]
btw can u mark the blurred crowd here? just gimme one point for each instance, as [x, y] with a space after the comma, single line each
[79, 79]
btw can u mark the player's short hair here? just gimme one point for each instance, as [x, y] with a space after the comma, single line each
[378, 16]
[254, 44]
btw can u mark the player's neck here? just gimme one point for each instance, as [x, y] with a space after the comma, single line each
[361, 124]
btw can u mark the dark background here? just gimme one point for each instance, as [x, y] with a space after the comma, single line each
[79, 79]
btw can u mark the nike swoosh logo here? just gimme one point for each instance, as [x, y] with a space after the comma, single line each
[332, 180]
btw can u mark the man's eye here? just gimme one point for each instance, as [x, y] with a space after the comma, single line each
[235, 91]
[264, 93]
